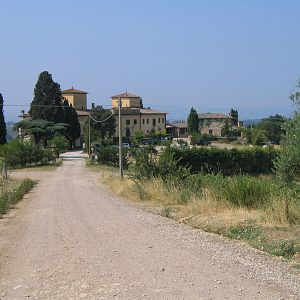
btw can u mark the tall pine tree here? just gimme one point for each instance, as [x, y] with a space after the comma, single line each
[2, 123]
[193, 121]
[46, 104]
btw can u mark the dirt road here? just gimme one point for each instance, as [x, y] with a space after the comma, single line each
[71, 239]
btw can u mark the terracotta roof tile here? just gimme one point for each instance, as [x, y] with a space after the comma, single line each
[73, 91]
[178, 124]
[126, 95]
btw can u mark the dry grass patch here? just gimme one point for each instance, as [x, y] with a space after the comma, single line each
[264, 228]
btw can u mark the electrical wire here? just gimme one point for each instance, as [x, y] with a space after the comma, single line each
[100, 121]
[40, 105]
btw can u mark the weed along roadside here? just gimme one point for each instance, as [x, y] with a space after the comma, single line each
[251, 208]
[11, 194]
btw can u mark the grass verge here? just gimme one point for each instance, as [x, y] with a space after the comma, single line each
[12, 193]
[241, 208]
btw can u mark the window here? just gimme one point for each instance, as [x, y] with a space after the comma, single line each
[135, 121]
[147, 121]
[163, 120]
[158, 120]
[143, 121]
[154, 122]
[210, 131]
[127, 122]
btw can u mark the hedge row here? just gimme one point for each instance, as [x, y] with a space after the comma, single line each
[227, 161]
[17, 154]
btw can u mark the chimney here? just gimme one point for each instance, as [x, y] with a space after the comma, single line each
[93, 105]
[22, 111]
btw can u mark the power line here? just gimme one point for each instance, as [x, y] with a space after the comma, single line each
[41, 105]
[101, 121]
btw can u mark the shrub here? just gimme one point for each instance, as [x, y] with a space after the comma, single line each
[58, 144]
[17, 154]
[110, 155]
[245, 191]
[165, 166]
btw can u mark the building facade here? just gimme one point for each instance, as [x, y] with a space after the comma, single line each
[177, 129]
[213, 123]
[136, 118]
[76, 98]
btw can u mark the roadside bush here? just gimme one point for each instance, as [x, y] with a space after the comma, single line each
[166, 166]
[17, 154]
[227, 161]
[110, 156]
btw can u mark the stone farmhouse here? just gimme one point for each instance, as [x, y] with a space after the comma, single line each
[209, 123]
[212, 123]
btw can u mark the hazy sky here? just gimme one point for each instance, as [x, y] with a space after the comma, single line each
[213, 54]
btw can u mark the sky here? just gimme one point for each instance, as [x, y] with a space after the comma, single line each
[210, 54]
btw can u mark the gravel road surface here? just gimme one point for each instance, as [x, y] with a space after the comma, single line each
[70, 238]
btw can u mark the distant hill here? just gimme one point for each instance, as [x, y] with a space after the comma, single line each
[251, 121]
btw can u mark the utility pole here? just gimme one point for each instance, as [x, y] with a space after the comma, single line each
[120, 138]
[89, 150]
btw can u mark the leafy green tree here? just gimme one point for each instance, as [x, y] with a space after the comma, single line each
[288, 163]
[255, 136]
[46, 104]
[193, 121]
[99, 130]
[40, 130]
[273, 126]
[259, 137]
[58, 144]
[72, 132]
[235, 116]
[2, 123]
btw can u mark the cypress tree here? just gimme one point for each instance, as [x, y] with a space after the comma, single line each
[47, 101]
[235, 116]
[193, 121]
[71, 118]
[2, 123]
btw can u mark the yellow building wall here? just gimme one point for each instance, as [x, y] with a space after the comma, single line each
[70, 99]
[126, 102]
[78, 101]
[145, 126]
